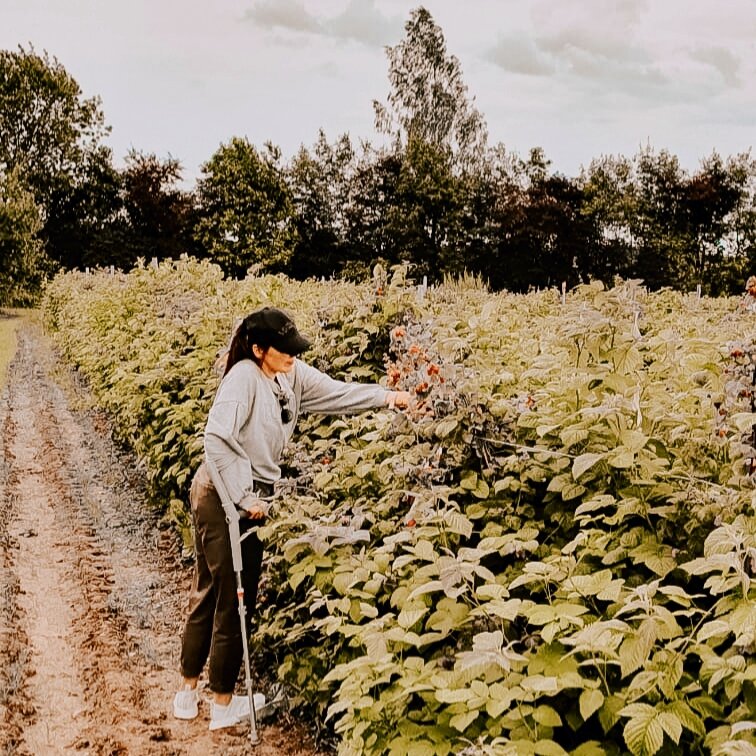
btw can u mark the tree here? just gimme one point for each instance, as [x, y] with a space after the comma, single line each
[739, 242]
[83, 224]
[50, 135]
[424, 220]
[320, 182]
[157, 215]
[46, 126]
[374, 198]
[658, 245]
[709, 203]
[246, 215]
[428, 99]
[23, 263]
[609, 205]
[543, 232]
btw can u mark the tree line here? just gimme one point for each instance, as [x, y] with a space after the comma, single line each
[433, 194]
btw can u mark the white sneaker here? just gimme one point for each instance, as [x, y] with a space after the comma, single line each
[185, 704]
[235, 712]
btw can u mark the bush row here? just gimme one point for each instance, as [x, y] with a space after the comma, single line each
[551, 552]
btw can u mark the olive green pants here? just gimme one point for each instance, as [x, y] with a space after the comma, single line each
[212, 632]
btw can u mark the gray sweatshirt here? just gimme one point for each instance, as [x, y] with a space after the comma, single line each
[245, 435]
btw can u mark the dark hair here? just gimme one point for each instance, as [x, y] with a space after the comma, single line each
[241, 344]
[266, 327]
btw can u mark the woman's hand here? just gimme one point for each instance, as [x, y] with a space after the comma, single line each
[398, 399]
[252, 508]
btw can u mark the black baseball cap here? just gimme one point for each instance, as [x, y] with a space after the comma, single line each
[270, 326]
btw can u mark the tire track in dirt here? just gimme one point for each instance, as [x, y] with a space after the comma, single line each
[93, 590]
[46, 595]
[15, 707]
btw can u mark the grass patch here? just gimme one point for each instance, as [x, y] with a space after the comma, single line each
[9, 322]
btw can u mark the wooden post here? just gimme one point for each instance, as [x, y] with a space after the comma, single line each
[564, 292]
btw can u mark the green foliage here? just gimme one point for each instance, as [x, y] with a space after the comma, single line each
[551, 552]
[23, 262]
[51, 137]
[157, 216]
[46, 126]
[246, 208]
[321, 184]
[8, 342]
[428, 98]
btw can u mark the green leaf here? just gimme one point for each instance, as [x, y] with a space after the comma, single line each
[636, 648]
[594, 504]
[671, 725]
[588, 585]
[461, 722]
[658, 557]
[633, 440]
[643, 733]
[507, 609]
[424, 549]
[547, 716]
[621, 458]
[548, 748]
[609, 714]
[687, 717]
[449, 615]
[585, 462]
[590, 748]
[540, 684]
[457, 695]
[590, 702]
[572, 491]
[403, 745]
[408, 616]
[572, 436]
[482, 490]
[469, 480]
[456, 522]
[446, 426]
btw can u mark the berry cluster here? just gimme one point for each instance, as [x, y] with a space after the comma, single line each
[413, 364]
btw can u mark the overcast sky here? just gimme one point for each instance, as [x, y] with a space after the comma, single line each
[579, 78]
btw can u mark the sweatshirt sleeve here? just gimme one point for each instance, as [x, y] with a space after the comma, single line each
[223, 450]
[322, 394]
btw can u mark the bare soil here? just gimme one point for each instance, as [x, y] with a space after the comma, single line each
[92, 587]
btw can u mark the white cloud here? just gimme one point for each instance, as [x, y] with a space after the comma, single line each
[283, 14]
[363, 22]
[360, 21]
[522, 56]
[723, 60]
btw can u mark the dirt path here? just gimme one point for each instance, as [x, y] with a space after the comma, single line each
[92, 591]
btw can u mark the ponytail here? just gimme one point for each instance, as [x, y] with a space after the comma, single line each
[240, 349]
[245, 336]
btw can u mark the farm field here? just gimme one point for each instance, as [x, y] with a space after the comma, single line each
[551, 552]
[92, 586]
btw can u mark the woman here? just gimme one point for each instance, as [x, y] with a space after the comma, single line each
[748, 303]
[264, 388]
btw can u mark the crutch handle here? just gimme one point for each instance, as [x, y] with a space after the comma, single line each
[231, 512]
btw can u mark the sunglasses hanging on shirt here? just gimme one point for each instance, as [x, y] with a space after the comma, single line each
[286, 413]
[283, 400]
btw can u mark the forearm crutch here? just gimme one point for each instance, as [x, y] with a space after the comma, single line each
[232, 518]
